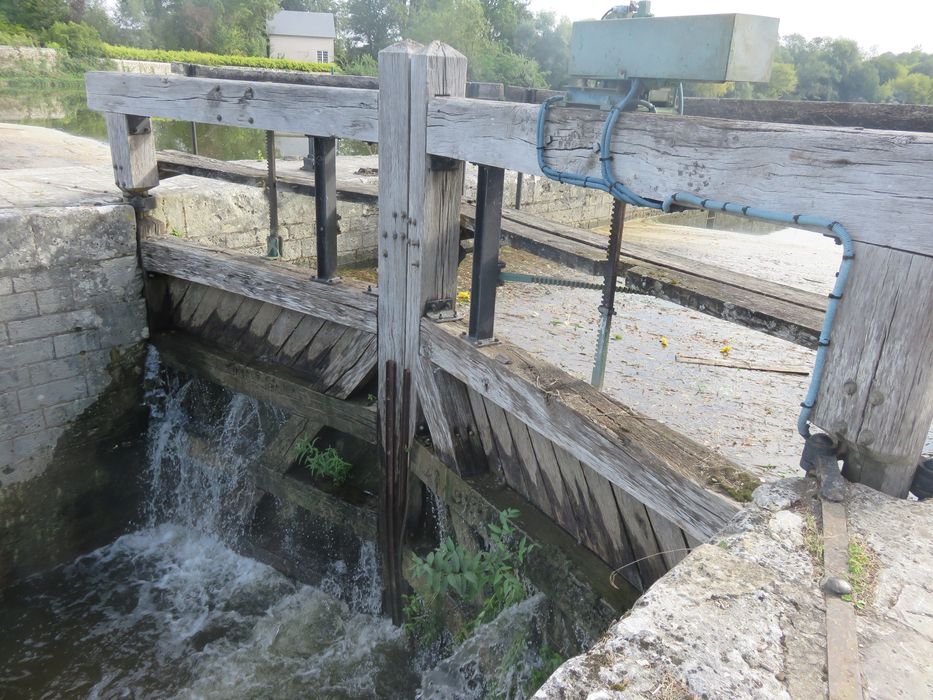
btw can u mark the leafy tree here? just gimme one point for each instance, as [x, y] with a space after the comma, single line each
[372, 25]
[36, 15]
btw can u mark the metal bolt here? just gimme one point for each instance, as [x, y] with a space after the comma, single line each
[876, 398]
[394, 236]
[849, 387]
[866, 438]
[385, 253]
[219, 118]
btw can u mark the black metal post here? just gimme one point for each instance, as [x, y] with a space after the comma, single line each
[273, 242]
[194, 138]
[518, 191]
[325, 207]
[307, 163]
[490, 183]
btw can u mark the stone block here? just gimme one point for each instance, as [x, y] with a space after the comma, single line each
[34, 280]
[20, 354]
[15, 306]
[123, 324]
[26, 446]
[65, 413]
[119, 279]
[57, 392]
[9, 405]
[55, 370]
[6, 459]
[56, 299]
[54, 236]
[6, 285]
[16, 378]
[53, 324]
[22, 424]
[75, 343]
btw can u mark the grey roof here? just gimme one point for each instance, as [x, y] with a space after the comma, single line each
[290, 23]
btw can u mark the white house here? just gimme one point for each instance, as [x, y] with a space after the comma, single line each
[302, 36]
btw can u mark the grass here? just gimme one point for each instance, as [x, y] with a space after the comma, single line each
[813, 541]
[323, 463]
[863, 566]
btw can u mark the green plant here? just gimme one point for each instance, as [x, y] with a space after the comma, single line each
[550, 660]
[213, 59]
[862, 565]
[326, 463]
[488, 581]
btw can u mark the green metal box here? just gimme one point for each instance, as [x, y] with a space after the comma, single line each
[709, 48]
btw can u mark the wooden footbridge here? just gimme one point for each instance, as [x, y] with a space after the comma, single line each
[623, 485]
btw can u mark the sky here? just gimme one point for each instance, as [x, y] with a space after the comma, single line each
[888, 25]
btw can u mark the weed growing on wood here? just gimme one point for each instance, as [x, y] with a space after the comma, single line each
[485, 583]
[326, 463]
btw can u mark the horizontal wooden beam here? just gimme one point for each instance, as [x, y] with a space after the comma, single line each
[877, 183]
[346, 303]
[864, 115]
[301, 109]
[667, 472]
[179, 163]
[275, 387]
[776, 309]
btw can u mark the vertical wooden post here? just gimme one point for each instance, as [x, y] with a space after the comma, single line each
[132, 150]
[419, 224]
[876, 397]
[394, 125]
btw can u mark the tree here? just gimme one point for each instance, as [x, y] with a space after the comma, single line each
[783, 82]
[36, 15]
[372, 25]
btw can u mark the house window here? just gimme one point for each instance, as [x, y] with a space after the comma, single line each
[323, 57]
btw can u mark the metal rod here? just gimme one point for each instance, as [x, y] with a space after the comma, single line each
[518, 190]
[325, 207]
[273, 242]
[490, 182]
[194, 138]
[607, 307]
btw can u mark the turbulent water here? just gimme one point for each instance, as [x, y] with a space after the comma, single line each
[172, 611]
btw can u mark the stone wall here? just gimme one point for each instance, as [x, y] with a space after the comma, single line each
[15, 56]
[236, 217]
[72, 322]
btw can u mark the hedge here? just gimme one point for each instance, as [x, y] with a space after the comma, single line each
[213, 59]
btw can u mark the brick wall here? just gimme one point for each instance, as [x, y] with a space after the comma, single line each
[70, 295]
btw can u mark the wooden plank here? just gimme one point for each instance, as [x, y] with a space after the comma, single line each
[670, 539]
[253, 341]
[299, 339]
[484, 430]
[549, 473]
[668, 472]
[536, 489]
[179, 163]
[634, 253]
[301, 109]
[743, 364]
[361, 372]
[265, 280]
[611, 534]
[132, 151]
[877, 391]
[645, 548]
[277, 457]
[273, 386]
[871, 178]
[864, 115]
[779, 310]
[844, 679]
[509, 462]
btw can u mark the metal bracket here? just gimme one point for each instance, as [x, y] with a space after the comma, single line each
[331, 280]
[441, 310]
[443, 163]
[140, 202]
[480, 342]
[138, 126]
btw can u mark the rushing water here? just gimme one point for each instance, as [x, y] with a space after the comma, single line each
[172, 611]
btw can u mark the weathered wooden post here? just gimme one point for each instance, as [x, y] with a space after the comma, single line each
[877, 392]
[419, 222]
[133, 153]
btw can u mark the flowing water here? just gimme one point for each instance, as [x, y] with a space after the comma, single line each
[171, 611]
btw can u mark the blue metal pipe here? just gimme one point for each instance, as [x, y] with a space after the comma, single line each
[836, 231]
[607, 184]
